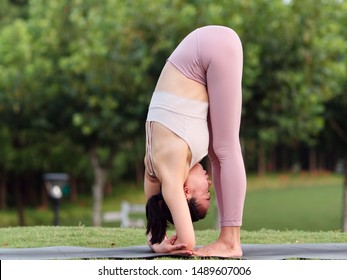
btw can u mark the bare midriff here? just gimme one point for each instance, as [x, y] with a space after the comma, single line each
[174, 82]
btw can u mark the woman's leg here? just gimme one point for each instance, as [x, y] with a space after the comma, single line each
[221, 53]
[215, 169]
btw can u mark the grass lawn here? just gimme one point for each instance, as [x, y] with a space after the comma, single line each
[309, 209]
[310, 202]
[28, 237]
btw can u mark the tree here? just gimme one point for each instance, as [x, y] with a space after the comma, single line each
[298, 71]
[100, 53]
[98, 63]
[17, 82]
[334, 137]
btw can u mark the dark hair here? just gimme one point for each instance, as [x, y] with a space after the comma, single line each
[158, 216]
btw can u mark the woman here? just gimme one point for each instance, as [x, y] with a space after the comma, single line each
[195, 110]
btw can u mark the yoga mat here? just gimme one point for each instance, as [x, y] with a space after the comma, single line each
[328, 251]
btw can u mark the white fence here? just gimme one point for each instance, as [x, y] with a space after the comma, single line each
[124, 215]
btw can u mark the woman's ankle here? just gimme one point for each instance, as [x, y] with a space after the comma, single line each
[231, 236]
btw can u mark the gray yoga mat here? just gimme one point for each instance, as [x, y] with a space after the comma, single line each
[328, 251]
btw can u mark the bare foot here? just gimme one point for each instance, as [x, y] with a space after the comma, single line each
[219, 249]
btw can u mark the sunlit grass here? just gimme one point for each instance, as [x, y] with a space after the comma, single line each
[29, 237]
[293, 180]
[294, 208]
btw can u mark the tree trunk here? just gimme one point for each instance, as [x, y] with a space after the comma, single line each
[312, 159]
[284, 159]
[44, 197]
[73, 189]
[261, 160]
[30, 188]
[272, 160]
[19, 201]
[98, 186]
[344, 216]
[3, 197]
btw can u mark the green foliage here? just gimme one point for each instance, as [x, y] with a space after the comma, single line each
[300, 68]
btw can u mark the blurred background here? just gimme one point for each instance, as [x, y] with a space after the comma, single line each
[76, 77]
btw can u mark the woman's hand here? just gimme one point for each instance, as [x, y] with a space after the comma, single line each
[168, 246]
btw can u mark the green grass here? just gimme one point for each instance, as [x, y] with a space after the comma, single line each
[29, 237]
[293, 180]
[307, 209]
[303, 201]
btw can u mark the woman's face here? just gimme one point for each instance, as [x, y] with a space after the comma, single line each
[198, 186]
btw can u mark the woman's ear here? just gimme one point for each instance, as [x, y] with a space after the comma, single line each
[186, 191]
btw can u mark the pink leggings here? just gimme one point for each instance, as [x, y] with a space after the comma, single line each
[217, 61]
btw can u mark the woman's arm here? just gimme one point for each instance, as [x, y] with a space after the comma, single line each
[177, 203]
[173, 173]
[171, 161]
[183, 241]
